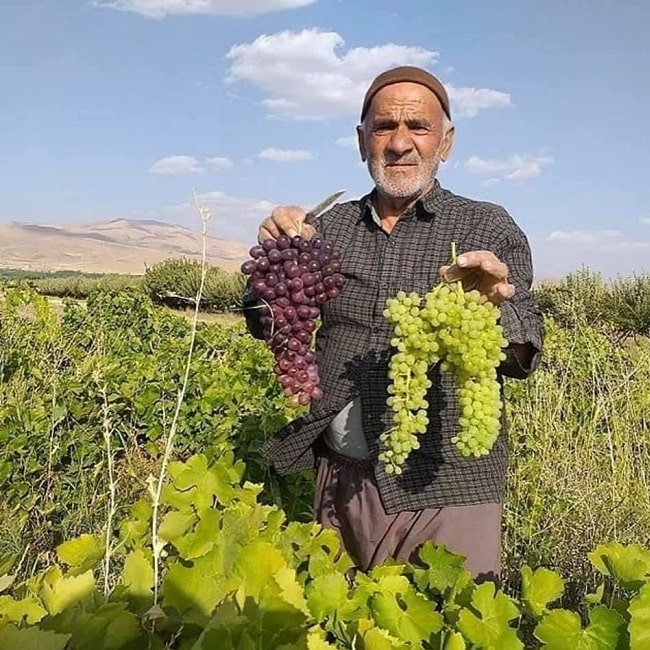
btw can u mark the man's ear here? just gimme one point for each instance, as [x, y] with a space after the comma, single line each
[447, 142]
[362, 143]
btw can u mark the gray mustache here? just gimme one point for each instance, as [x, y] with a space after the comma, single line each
[404, 160]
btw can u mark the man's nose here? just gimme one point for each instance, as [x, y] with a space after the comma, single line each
[401, 142]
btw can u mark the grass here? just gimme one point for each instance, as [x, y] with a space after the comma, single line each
[580, 453]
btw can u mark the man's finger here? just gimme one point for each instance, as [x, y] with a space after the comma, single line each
[267, 232]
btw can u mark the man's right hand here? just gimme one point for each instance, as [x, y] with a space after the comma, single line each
[287, 220]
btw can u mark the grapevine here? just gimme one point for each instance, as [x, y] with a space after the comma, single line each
[455, 327]
[293, 277]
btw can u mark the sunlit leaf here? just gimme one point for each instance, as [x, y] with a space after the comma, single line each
[539, 588]
[628, 565]
[562, 630]
[639, 626]
[487, 622]
[83, 553]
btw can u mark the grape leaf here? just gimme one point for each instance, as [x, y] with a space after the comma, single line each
[82, 553]
[290, 590]
[539, 588]
[138, 577]
[31, 638]
[454, 641]
[561, 630]
[26, 609]
[175, 524]
[374, 638]
[58, 592]
[639, 626]
[628, 565]
[403, 612]
[486, 622]
[327, 595]
[197, 589]
[202, 539]
[443, 568]
[256, 564]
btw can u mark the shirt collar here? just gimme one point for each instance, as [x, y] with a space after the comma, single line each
[430, 202]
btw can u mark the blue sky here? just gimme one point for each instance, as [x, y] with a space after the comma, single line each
[119, 108]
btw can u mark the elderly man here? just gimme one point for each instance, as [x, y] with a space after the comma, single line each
[398, 237]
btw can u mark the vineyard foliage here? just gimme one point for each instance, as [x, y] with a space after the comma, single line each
[96, 387]
[237, 575]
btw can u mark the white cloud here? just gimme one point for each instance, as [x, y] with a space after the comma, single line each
[162, 8]
[467, 102]
[219, 162]
[645, 221]
[514, 168]
[176, 165]
[307, 75]
[349, 141]
[285, 155]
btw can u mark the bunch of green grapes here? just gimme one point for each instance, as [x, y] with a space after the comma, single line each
[471, 343]
[415, 348]
[449, 325]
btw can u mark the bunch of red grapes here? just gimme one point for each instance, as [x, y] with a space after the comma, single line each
[293, 277]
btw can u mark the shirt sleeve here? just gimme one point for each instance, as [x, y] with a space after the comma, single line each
[521, 319]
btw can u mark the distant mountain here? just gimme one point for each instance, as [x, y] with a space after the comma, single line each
[117, 246]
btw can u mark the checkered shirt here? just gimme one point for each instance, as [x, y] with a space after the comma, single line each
[353, 343]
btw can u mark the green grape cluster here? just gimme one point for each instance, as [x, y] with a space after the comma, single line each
[449, 325]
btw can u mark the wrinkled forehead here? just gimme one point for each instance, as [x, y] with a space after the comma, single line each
[404, 97]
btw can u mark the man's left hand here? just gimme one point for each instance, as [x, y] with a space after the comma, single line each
[483, 271]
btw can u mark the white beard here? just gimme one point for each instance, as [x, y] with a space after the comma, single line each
[403, 185]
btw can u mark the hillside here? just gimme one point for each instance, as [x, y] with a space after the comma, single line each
[117, 246]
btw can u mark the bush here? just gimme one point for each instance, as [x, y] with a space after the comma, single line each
[176, 283]
[622, 306]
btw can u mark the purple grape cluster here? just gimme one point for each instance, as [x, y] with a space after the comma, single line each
[294, 277]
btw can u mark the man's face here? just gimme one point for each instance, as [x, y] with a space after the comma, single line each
[402, 139]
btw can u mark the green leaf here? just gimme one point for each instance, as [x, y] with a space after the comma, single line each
[175, 524]
[596, 597]
[317, 639]
[443, 568]
[374, 638]
[454, 641]
[403, 612]
[326, 594]
[628, 565]
[138, 577]
[561, 630]
[539, 589]
[202, 539]
[197, 589]
[17, 611]
[639, 626]
[82, 553]
[290, 589]
[31, 638]
[486, 622]
[58, 592]
[256, 565]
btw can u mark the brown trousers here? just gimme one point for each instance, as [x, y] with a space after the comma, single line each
[347, 500]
